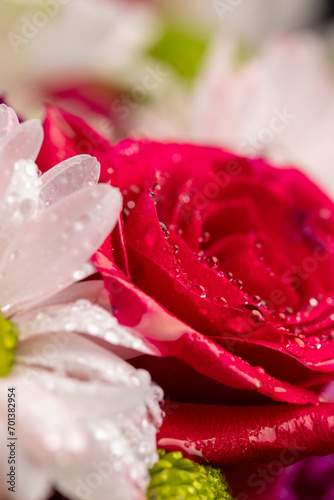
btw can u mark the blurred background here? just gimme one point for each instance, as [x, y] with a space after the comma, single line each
[255, 76]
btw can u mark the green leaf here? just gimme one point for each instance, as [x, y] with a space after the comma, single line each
[180, 49]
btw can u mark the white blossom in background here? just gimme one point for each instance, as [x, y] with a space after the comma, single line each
[80, 407]
[250, 19]
[279, 104]
[50, 42]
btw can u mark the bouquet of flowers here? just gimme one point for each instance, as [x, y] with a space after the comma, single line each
[166, 251]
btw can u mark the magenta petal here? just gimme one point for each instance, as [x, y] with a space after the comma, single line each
[134, 308]
[228, 435]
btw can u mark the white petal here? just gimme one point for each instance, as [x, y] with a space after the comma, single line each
[41, 417]
[92, 290]
[20, 201]
[42, 258]
[32, 478]
[109, 401]
[23, 143]
[8, 120]
[82, 317]
[70, 175]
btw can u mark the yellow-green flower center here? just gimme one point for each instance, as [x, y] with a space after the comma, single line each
[8, 339]
[177, 478]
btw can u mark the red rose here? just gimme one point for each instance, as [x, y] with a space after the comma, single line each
[230, 347]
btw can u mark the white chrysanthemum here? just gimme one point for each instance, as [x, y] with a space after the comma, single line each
[278, 104]
[85, 420]
[50, 42]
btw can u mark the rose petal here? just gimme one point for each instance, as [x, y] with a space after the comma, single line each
[225, 435]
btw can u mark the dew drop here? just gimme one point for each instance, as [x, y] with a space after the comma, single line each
[198, 290]
[220, 301]
[256, 314]
[204, 238]
[175, 249]
[211, 262]
[261, 371]
[294, 345]
[164, 230]
[313, 302]
[314, 343]
[278, 317]
[175, 272]
[238, 283]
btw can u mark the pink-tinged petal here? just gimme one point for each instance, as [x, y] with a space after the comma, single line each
[69, 176]
[85, 318]
[23, 143]
[42, 259]
[8, 120]
[92, 290]
[227, 435]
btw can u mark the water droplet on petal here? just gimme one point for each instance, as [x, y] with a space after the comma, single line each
[211, 262]
[238, 283]
[313, 302]
[164, 229]
[278, 317]
[314, 343]
[256, 314]
[220, 301]
[228, 275]
[175, 272]
[294, 345]
[198, 290]
[204, 238]
[261, 371]
[175, 249]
